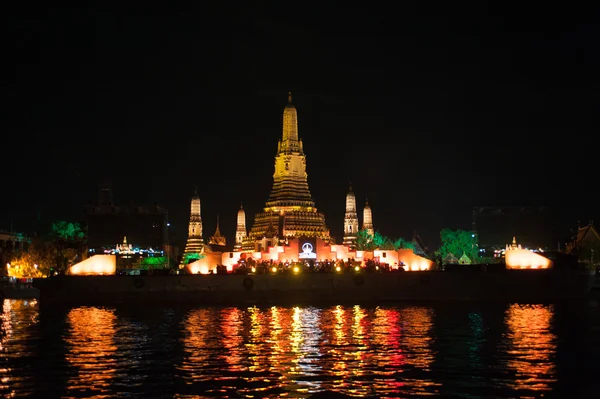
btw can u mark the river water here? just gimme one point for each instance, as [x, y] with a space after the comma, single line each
[458, 349]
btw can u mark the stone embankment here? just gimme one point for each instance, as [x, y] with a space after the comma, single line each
[317, 288]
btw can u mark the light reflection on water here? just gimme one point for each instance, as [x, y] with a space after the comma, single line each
[530, 347]
[393, 351]
[91, 351]
[15, 333]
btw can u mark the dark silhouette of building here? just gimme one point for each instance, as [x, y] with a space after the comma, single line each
[586, 246]
[534, 227]
[107, 223]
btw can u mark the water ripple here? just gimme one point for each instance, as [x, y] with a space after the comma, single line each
[232, 352]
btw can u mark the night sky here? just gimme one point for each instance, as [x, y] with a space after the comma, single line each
[428, 110]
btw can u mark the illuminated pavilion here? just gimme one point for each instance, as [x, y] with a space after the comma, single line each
[290, 211]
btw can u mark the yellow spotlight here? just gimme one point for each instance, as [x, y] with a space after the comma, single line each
[274, 269]
[376, 267]
[356, 268]
[296, 269]
[337, 268]
[253, 269]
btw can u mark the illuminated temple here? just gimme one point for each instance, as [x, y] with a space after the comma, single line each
[290, 211]
[290, 230]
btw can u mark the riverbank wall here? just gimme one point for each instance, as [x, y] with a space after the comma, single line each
[318, 288]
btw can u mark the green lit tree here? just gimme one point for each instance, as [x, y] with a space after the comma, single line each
[367, 242]
[364, 241]
[65, 244]
[192, 257]
[457, 242]
[382, 242]
[401, 243]
[154, 262]
[67, 231]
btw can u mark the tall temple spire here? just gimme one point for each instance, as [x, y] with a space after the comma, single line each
[368, 219]
[195, 243]
[290, 208]
[289, 140]
[350, 220]
[195, 225]
[240, 230]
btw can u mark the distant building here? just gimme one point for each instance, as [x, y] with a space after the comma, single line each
[107, 222]
[130, 258]
[536, 227]
[586, 246]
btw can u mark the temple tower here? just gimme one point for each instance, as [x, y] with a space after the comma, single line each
[368, 219]
[218, 238]
[350, 220]
[195, 243]
[290, 208]
[240, 230]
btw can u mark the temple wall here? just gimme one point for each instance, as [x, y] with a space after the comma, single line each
[387, 256]
[339, 252]
[205, 265]
[289, 253]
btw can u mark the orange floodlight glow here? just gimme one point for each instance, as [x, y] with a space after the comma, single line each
[525, 259]
[95, 266]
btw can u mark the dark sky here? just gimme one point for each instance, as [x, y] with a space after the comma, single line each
[427, 109]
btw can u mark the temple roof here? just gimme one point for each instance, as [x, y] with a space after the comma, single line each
[582, 232]
[420, 247]
[450, 258]
[217, 238]
[464, 259]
